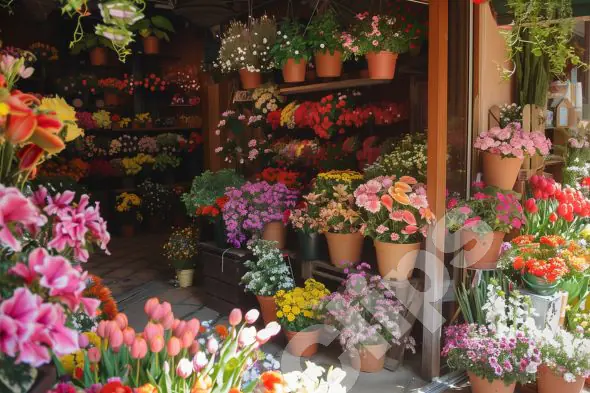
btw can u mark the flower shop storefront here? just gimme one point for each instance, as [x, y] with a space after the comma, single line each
[345, 184]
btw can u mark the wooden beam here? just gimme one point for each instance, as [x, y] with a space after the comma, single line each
[436, 181]
[211, 114]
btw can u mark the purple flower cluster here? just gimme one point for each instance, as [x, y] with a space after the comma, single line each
[252, 206]
[480, 350]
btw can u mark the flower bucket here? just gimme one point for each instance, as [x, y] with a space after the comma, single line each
[480, 385]
[151, 45]
[539, 285]
[303, 344]
[185, 277]
[127, 230]
[549, 382]
[309, 246]
[345, 248]
[98, 56]
[481, 252]
[381, 64]
[275, 231]
[294, 71]
[111, 99]
[328, 65]
[268, 308]
[396, 261]
[500, 172]
[219, 234]
[371, 358]
[250, 79]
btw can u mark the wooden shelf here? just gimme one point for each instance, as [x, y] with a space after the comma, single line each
[138, 130]
[334, 85]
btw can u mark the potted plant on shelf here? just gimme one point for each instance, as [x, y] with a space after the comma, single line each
[142, 120]
[297, 314]
[165, 164]
[396, 216]
[267, 274]
[153, 30]
[97, 47]
[566, 361]
[246, 48]
[257, 209]
[128, 206]
[291, 51]
[503, 151]
[338, 218]
[482, 223]
[325, 38]
[368, 318]
[181, 250]
[380, 38]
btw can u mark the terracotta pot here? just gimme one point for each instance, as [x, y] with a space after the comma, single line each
[111, 99]
[98, 56]
[151, 45]
[185, 277]
[381, 64]
[372, 358]
[250, 79]
[294, 71]
[549, 382]
[275, 231]
[127, 230]
[345, 248]
[500, 172]
[396, 261]
[480, 385]
[328, 65]
[268, 308]
[481, 252]
[303, 344]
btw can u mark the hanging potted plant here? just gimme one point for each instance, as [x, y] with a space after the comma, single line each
[152, 30]
[297, 314]
[96, 45]
[396, 215]
[246, 48]
[380, 38]
[368, 317]
[128, 207]
[324, 35]
[181, 250]
[482, 222]
[267, 274]
[566, 361]
[291, 51]
[503, 151]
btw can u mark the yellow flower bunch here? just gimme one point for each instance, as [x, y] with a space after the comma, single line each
[143, 117]
[65, 113]
[296, 309]
[288, 115]
[266, 99]
[124, 122]
[346, 176]
[127, 201]
[134, 165]
[102, 118]
[76, 359]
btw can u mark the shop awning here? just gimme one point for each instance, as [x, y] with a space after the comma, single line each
[581, 8]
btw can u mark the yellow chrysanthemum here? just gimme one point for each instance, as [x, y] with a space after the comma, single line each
[296, 310]
[290, 317]
[93, 339]
[65, 113]
[280, 314]
[68, 363]
[286, 308]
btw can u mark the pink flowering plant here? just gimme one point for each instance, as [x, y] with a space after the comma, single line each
[393, 210]
[513, 141]
[365, 311]
[41, 289]
[375, 33]
[490, 209]
[253, 205]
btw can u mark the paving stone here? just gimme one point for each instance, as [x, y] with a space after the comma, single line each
[204, 314]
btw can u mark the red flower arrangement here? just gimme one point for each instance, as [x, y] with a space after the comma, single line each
[102, 168]
[274, 119]
[212, 211]
[278, 175]
[194, 140]
[550, 270]
[152, 83]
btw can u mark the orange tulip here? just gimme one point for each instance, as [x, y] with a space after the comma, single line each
[29, 156]
[20, 128]
[46, 135]
[147, 388]
[20, 104]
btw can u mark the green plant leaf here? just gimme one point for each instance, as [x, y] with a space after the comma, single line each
[162, 23]
[143, 24]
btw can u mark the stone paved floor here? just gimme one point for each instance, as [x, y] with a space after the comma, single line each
[136, 271]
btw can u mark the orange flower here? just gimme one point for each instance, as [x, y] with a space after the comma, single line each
[271, 382]
[99, 291]
[402, 187]
[518, 263]
[221, 331]
[235, 390]
[523, 239]
[552, 240]
[147, 388]
[408, 180]
[202, 385]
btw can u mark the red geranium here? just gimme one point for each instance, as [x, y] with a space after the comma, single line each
[274, 119]
[115, 387]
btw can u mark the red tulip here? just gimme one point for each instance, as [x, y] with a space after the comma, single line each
[531, 206]
[20, 128]
[29, 156]
[553, 217]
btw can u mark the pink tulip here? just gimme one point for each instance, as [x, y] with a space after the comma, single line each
[116, 338]
[157, 344]
[175, 323]
[128, 335]
[152, 330]
[274, 328]
[168, 321]
[212, 346]
[161, 311]
[150, 306]
[193, 325]
[173, 346]
[194, 348]
[247, 336]
[94, 355]
[199, 361]
[263, 336]
[100, 330]
[252, 316]
[187, 339]
[235, 317]
[83, 341]
[179, 329]
[184, 368]
[166, 308]
[121, 320]
[139, 348]
[109, 327]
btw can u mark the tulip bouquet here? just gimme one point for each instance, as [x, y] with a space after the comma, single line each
[167, 356]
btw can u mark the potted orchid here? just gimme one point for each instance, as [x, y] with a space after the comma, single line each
[503, 151]
[368, 317]
[325, 39]
[380, 38]
[338, 218]
[257, 209]
[395, 215]
[483, 221]
[291, 51]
